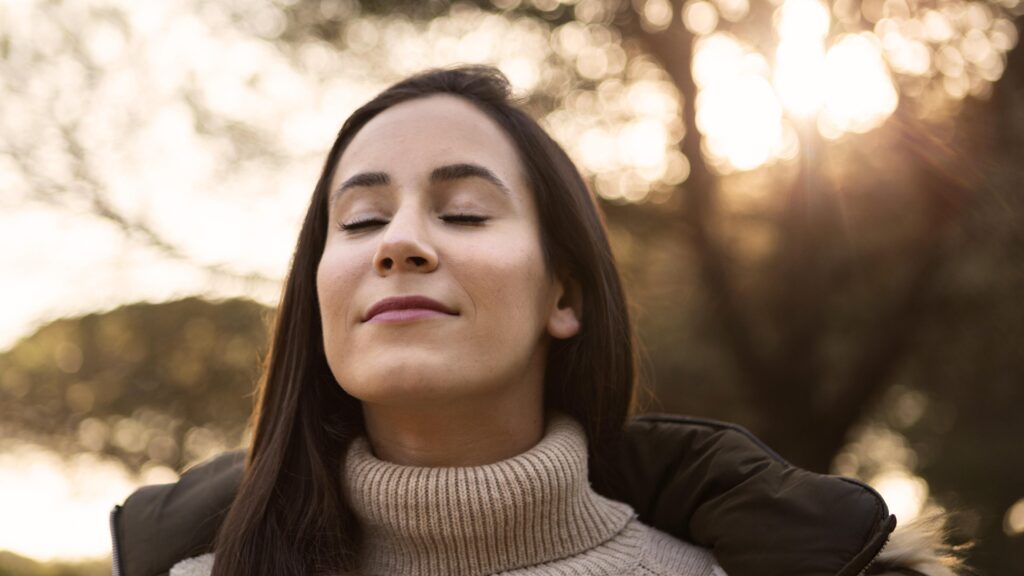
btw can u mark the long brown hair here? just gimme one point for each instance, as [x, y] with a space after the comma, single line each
[289, 516]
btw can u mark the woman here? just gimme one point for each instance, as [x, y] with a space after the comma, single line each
[453, 322]
[452, 360]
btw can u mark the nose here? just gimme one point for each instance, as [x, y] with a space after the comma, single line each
[404, 246]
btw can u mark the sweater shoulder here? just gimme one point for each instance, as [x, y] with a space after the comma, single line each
[663, 554]
[196, 566]
[649, 551]
[637, 550]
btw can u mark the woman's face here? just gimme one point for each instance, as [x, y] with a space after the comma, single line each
[430, 199]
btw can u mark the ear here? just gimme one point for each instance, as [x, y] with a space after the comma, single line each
[566, 311]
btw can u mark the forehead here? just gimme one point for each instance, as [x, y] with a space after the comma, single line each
[414, 137]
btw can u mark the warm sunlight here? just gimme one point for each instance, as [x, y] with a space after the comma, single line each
[859, 93]
[843, 81]
[153, 151]
[1013, 522]
[904, 493]
[746, 106]
[802, 26]
[38, 487]
[846, 87]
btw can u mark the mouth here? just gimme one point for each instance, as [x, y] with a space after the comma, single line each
[406, 308]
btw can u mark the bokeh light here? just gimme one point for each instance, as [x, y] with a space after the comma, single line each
[844, 81]
[859, 93]
[733, 10]
[1013, 521]
[738, 111]
[801, 26]
[656, 15]
[742, 105]
[883, 457]
[904, 493]
[700, 17]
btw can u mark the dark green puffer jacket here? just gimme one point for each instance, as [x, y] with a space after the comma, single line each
[710, 483]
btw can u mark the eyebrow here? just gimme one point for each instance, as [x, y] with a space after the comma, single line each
[465, 170]
[446, 173]
[361, 180]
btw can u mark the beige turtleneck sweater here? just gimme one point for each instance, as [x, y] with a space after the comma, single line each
[532, 514]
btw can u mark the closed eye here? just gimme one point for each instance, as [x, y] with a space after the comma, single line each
[472, 219]
[359, 224]
[466, 219]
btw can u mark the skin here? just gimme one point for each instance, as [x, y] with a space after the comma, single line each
[445, 390]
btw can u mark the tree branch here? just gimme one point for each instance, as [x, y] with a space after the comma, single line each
[946, 183]
[673, 48]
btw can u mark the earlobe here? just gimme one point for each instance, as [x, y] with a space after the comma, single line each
[564, 321]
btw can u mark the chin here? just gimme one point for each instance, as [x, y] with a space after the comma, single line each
[411, 379]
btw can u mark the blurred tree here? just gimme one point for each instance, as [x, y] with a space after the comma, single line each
[784, 278]
[962, 406]
[956, 400]
[151, 384]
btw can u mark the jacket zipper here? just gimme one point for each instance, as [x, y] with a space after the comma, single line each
[867, 566]
[115, 552]
[887, 526]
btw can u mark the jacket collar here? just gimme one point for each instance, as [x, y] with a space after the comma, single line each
[707, 482]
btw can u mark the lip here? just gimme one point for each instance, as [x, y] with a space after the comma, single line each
[410, 303]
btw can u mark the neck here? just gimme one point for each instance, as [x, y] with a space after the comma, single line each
[457, 432]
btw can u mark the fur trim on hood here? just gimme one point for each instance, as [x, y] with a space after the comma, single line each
[198, 566]
[920, 547]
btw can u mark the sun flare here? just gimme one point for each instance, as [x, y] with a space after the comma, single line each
[842, 82]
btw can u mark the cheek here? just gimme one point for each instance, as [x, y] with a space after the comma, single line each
[336, 279]
[505, 283]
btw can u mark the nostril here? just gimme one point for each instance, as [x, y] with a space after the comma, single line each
[418, 260]
[386, 263]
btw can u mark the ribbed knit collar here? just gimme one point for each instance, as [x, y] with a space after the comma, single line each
[529, 509]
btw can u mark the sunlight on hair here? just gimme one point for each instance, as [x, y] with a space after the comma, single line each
[903, 492]
[522, 73]
[1013, 521]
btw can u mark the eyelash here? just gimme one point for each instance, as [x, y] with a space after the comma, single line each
[467, 219]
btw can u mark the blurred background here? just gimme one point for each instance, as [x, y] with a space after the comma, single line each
[817, 207]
